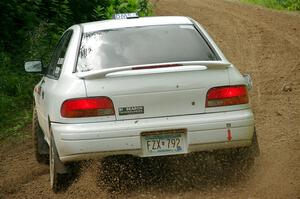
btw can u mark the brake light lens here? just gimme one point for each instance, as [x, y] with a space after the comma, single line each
[87, 107]
[227, 96]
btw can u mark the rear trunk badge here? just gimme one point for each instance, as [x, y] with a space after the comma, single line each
[131, 110]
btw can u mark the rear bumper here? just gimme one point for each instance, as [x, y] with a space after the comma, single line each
[205, 132]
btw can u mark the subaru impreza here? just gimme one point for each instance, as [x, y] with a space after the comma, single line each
[149, 86]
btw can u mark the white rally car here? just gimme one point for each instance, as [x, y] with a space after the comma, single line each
[150, 86]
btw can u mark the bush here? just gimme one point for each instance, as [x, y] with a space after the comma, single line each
[290, 4]
[32, 29]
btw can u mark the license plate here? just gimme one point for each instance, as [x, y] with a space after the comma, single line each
[165, 142]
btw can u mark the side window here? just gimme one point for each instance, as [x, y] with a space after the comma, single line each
[58, 56]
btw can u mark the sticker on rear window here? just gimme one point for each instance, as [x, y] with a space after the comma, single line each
[131, 110]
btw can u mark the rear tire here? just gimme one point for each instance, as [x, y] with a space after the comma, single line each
[40, 146]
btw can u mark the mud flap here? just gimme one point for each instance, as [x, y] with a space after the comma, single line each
[61, 168]
[255, 146]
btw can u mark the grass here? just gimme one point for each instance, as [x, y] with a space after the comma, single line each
[292, 5]
[16, 89]
[14, 128]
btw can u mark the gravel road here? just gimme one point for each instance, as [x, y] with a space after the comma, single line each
[259, 41]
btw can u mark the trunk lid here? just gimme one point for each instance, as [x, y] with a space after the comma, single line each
[158, 92]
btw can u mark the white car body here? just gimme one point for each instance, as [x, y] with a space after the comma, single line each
[171, 97]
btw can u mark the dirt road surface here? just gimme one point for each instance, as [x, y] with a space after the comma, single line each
[261, 42]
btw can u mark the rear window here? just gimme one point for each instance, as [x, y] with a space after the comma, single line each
[142, 45]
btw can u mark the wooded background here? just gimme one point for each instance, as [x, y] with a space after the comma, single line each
[30, 30]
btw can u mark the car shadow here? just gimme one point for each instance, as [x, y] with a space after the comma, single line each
[125, 174]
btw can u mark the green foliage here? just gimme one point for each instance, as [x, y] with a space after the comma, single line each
[290, 4]
[293, 5]
[15, 98]
[142, 7]
[30, 30]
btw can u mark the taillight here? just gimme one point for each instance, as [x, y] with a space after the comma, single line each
[87, 107]
[227, 96]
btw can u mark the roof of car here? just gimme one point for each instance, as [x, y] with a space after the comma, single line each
[136, 22]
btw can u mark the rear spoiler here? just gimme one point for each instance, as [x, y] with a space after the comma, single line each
[157, 68]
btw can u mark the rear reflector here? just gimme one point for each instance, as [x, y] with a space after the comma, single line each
[87, 107]
[227, 96]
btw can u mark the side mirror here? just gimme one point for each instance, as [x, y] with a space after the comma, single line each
[248, 81]
[33, 66]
